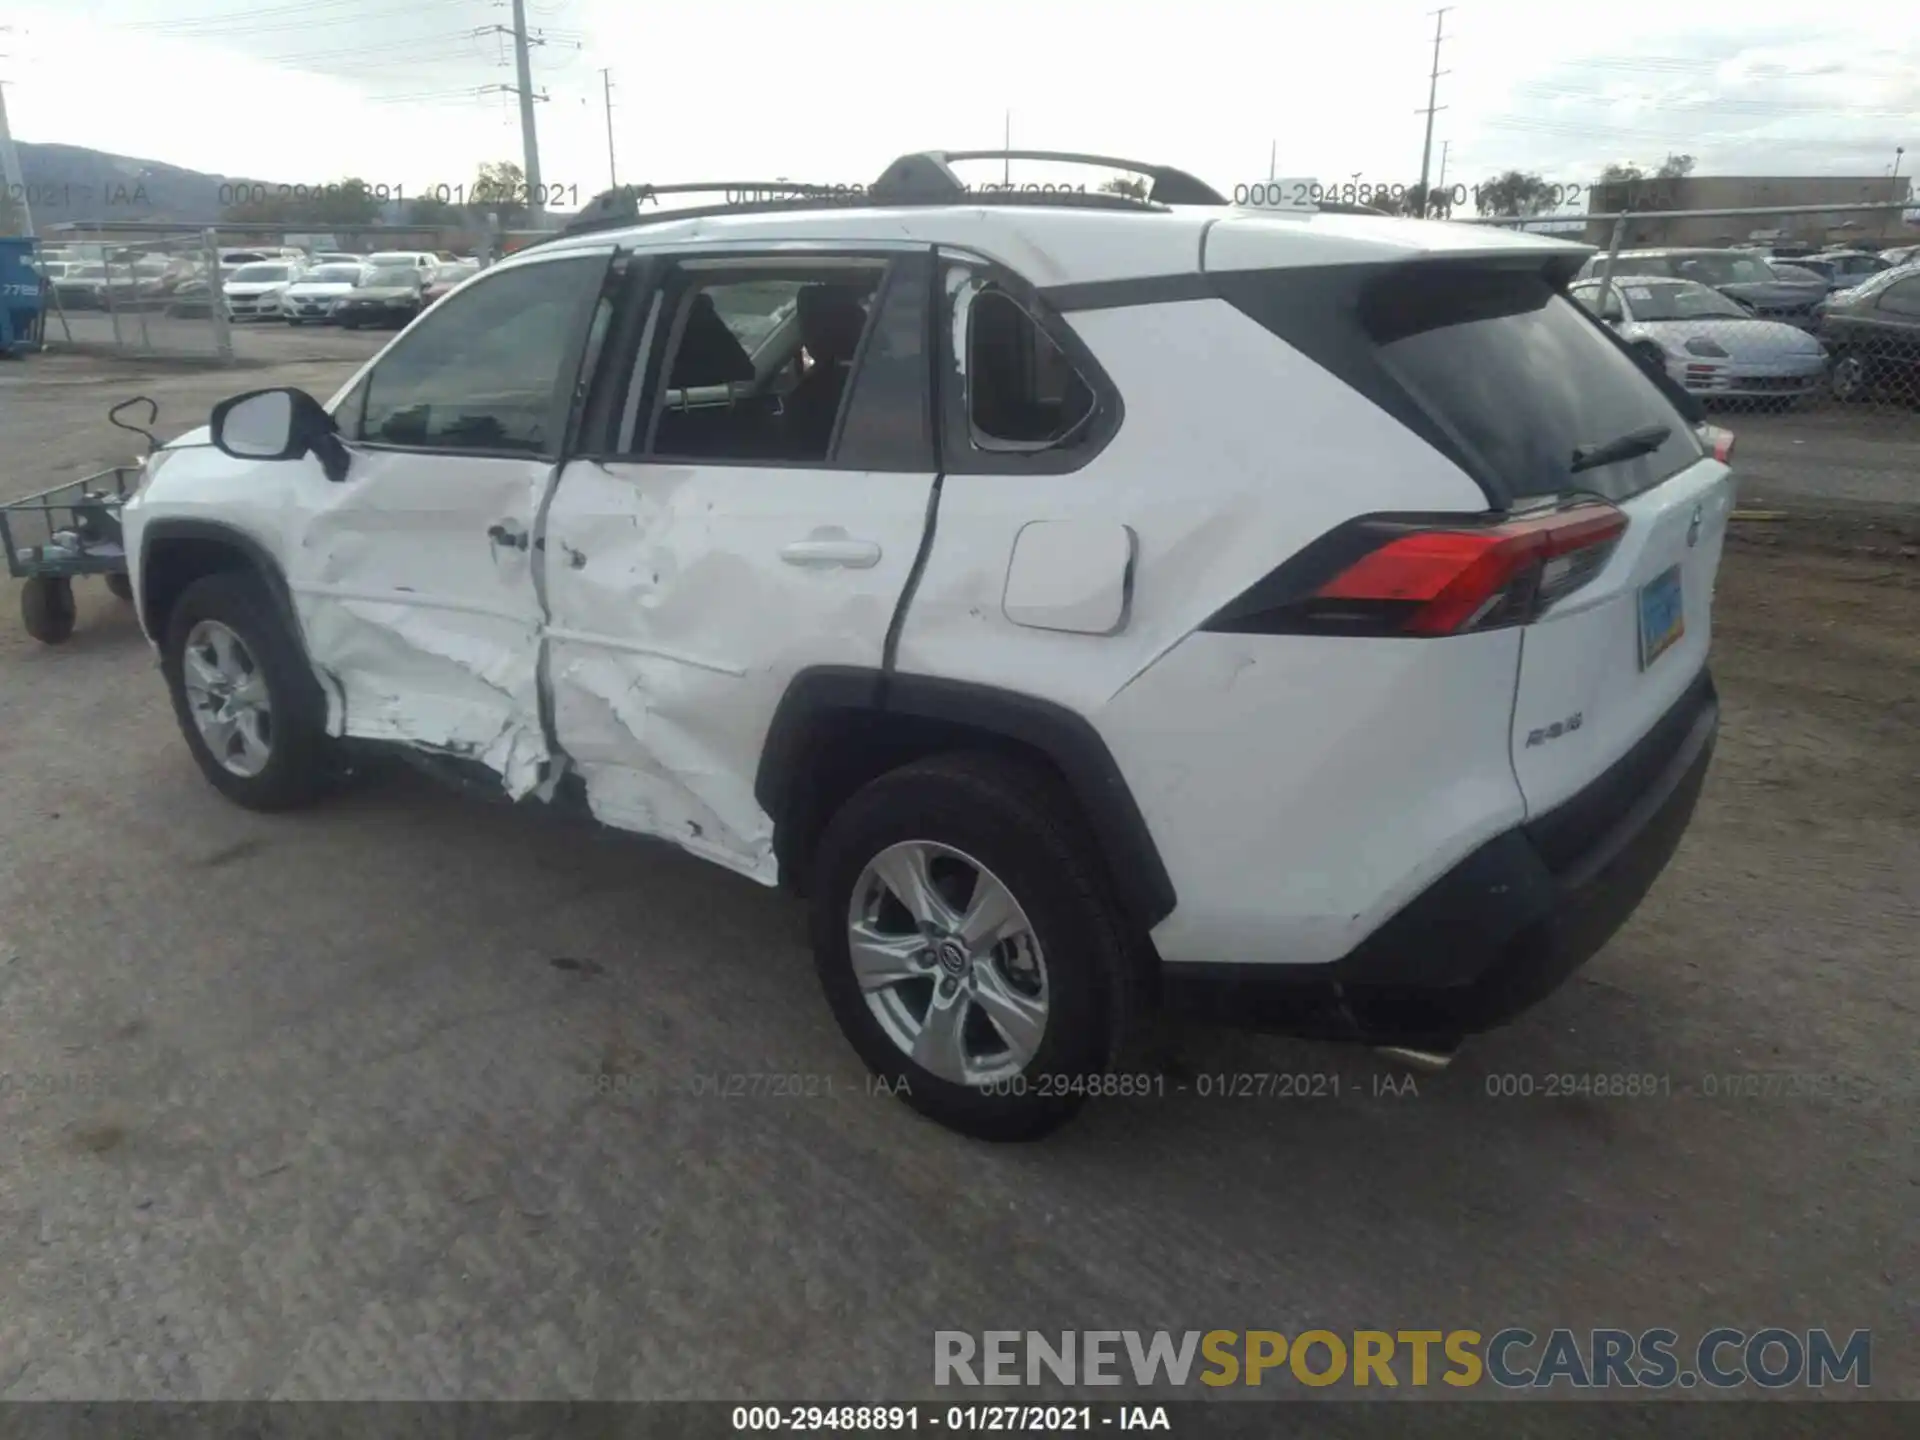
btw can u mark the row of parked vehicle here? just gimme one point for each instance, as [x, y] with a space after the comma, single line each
[1746, 325]
[385, 288]
[279, 283]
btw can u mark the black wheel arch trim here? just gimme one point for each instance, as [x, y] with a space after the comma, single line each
[822, 696]
[258, 559]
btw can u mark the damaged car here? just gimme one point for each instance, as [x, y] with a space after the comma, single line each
[1090, 604]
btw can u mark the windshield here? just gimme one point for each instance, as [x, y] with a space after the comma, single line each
[249, 273]
[1723, 268]
[1880, 279]
[1680, 300]
[391, 275]
[335, 275]
[90, 272]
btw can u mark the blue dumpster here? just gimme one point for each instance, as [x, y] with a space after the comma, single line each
[22, 295]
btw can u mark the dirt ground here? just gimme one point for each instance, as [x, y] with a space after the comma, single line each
[293, 1109]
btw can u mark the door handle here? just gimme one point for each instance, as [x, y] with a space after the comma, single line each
[505, 534]
[852, 554]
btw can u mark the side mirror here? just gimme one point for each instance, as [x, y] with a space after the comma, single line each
[280, 424]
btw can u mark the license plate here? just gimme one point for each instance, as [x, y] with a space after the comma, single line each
[1663, 617]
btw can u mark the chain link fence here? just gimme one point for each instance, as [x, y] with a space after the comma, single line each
[141, 290]
[146, 296]
[1803, 336]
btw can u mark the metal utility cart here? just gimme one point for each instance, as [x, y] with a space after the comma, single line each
[69, 531]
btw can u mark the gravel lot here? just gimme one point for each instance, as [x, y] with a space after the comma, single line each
[298, 1105]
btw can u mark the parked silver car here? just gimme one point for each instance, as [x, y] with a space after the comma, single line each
[1711, 345]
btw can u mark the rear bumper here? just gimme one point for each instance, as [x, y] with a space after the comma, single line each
[1505, 927]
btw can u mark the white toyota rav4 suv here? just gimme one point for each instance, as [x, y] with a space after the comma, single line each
[1091, 604]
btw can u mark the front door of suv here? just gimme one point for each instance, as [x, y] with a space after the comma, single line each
[748, 498]
[415, 577]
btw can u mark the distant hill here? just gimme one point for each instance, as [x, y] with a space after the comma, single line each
[69, 182]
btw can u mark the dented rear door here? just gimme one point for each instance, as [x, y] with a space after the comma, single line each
[415, 577]
[685, 590]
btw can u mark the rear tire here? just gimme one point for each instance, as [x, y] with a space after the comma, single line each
[1066, 956]
[296, 767]
[46, 608]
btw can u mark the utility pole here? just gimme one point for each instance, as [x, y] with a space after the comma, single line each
[1445, 145]
[12, 181]
[1006, 143]
[1433, 94]
[1273, 161]
[529, 141]
[606, 88]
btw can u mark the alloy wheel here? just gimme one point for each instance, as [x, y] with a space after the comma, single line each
[948, 963]
[227, 696]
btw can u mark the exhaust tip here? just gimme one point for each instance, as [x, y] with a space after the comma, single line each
[1427, 1060]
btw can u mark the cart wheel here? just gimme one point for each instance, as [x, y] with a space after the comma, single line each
[121, 586]
[46, 607]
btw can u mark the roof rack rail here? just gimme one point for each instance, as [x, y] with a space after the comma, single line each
[927, 178]
[620, 207]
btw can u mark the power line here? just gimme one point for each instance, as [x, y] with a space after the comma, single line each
[242, 21]
[353, 51]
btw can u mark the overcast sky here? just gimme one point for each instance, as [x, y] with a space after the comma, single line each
[830, 90]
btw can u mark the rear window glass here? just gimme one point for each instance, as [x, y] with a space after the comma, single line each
[1521, 379]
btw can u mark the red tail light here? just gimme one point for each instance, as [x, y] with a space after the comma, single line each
[1719, 441]
[1446, 581]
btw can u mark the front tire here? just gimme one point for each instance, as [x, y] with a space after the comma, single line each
[967, 940]
[247, 702]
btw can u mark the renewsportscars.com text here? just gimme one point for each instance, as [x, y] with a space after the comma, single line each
[1771, 1358]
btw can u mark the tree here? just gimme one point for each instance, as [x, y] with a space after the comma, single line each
[432, 210]
[1131, 187]
[501, 188]
[1407, 202]
[1675, 167]
[1515, 193]
[1619, 173]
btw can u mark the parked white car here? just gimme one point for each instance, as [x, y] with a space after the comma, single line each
[313, 296]
[253, 291]
[424, 261]
[1088, 604]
